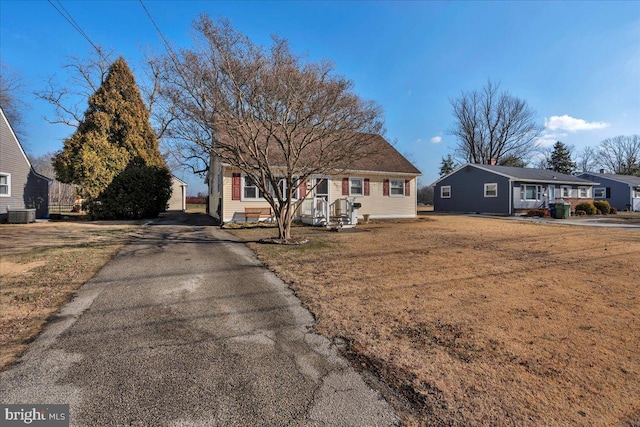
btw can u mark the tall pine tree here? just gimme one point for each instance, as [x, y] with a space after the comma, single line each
[561, 159]
[114, 134]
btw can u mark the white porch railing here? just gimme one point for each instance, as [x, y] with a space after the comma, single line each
[318, 211]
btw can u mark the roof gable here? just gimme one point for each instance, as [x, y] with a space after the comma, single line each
[15, 140]
[13, 136]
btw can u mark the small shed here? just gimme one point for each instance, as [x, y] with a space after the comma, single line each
[178, 200]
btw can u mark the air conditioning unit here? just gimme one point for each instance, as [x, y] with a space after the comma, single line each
[21, 216]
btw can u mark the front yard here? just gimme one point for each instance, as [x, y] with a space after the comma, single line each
[41, 266]
[477, 321]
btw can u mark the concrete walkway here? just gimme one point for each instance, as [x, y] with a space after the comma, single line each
[186, 328]
[587, 222]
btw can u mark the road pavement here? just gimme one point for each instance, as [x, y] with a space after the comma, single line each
[185, 327]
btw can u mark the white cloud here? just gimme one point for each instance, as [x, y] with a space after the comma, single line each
[547, 139]
[436, 139]
[572, 124]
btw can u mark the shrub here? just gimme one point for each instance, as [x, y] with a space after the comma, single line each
[544, 213]
[613, 211]
[139, 191]
[587, 207]
[603, 206]
[580, 212]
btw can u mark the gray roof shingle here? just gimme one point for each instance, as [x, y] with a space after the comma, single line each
[534, 175]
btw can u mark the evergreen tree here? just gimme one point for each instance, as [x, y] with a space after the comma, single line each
[561, 159]
[115, 132]
[446, 165]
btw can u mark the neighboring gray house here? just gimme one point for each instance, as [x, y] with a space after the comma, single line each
[20, 186]
[507, 190]
[621, 191]
[178, 200]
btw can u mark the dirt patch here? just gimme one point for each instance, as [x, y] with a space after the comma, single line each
[480, 321]
[41, 266]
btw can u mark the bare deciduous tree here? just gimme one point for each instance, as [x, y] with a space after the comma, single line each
[587, 159]
[490, 124]
[11, 101]
[268, 113]
[85, 75]
[621, 154]
[59, 192]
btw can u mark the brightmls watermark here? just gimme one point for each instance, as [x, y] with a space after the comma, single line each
[34, 415]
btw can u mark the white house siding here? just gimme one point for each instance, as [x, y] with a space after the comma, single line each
[178, 200]
[376, 204]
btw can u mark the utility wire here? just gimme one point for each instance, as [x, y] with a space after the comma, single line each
[67, 16]
[167, 46]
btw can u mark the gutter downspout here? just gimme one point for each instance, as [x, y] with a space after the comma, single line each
[510, 197]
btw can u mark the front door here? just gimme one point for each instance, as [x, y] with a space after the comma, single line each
[321, 197]
[321, 188]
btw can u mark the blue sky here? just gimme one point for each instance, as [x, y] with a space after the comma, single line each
[577, 64]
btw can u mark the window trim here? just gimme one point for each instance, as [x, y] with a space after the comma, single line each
[586, 192]
[604, 193]
[523, 192]
[243, 198]
[487, 185]
[8, 184]
[566, 188]
[391, 188]
[351, 193]
[442, 191]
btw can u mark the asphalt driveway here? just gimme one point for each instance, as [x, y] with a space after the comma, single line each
[186, 328]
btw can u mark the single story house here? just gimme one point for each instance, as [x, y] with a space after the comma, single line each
[381, 185]
[178, 200]
[21, 187]
[621, 191]
[507, 190]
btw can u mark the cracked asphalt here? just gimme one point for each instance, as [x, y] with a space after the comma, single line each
[185, 327]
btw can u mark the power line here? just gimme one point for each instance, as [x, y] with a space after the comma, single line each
[67, 16]
[167, 46]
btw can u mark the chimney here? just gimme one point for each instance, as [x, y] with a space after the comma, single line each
[492, 161]
[601, 170]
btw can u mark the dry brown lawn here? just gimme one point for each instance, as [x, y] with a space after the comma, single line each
[41, 265]
[479, 321]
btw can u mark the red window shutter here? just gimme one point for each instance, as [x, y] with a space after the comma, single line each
[385, 187]
[366, 187]
[345, 186]
[407, 187]
[302, 189]
[235, 186]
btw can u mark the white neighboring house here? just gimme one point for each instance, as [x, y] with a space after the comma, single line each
[21, 187]
[384, 185]
[178, 200]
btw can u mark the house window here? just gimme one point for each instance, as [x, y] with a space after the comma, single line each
[530, 192]
[282, 185]
[445, 192]
[5, 185]
[356, 186]
[565, 191]
[250, 190]
[397, 187]
[583, 192]
[491, 190]
[599, 193]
